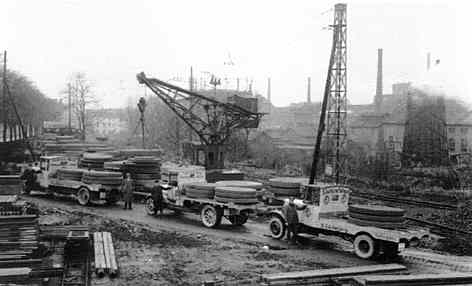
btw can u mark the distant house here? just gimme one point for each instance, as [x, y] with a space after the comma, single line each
[107, 122]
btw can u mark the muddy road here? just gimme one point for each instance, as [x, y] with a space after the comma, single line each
[177, 250]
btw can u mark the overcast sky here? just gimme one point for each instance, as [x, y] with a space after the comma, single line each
[111, 41]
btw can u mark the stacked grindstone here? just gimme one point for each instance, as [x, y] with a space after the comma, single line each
[378, 216]
[70, 174]
[236, 195]
[200, 190]
[129, 153]
[110, 179]
[286, 186]
[259, 187]
[145, 171]
[114, 166]
[94, 161]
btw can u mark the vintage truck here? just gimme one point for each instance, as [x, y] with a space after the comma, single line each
[210, 210]
[46, 180]
[324, 210]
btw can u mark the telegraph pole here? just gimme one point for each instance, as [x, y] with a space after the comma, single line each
[4, 98]
[69, 107]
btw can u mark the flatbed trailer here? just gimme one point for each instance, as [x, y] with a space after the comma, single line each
[47, 182]
[326, 212]
[211, 211]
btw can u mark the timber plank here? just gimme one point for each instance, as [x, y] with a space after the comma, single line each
[332, 272]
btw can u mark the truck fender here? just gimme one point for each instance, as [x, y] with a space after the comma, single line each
[278, 213]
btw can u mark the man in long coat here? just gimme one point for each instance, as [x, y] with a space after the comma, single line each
[127, 191]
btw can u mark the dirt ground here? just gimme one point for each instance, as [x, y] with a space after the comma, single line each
[148, 257]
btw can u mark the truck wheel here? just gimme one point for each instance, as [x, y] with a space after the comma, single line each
[149, 206]
[364, 246]
[83, 196]
[210, 216]
[277, 227]
[238, 219]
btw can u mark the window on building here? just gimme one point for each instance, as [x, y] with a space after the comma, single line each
[463, 145]
[464, 130]
[451, 130]
[452, 145]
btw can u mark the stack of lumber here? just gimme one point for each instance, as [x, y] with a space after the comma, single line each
[286, 186]
[10, 185]
[10, 188]
[376, 215]
[419, 279]
[18, 237]
[105, 259]
[59, 232]
[326, 276]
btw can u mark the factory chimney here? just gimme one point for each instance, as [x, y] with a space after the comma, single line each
[308, 91]
[428, 61]
[268, 90]
[379, 86]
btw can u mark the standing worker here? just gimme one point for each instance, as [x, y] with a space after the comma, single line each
[157, 198]
[127, 191]
[290, 211]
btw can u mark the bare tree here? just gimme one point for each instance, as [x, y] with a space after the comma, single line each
[82, 97]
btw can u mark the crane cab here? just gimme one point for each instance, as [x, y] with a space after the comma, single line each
[323, 201]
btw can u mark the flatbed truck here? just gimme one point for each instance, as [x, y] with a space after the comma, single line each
[324, 210]
[48, 182]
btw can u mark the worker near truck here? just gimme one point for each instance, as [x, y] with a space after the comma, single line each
[127, 191]
[157, 198]
[290, 211]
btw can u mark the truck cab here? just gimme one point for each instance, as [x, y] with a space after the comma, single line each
[47, 170]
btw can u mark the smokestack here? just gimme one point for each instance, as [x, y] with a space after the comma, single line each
[379, 86]
[379, 89]
[428, 61]
[268, 89]
[308, 91]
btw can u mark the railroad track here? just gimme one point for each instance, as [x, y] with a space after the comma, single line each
[416, 202]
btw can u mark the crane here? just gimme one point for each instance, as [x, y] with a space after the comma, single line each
[212, 120]
[334, 106]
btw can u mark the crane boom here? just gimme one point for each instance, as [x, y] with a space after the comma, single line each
[212, 120]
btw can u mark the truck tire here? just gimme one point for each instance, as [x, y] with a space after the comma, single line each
[238, 220]
[210, 216]
[376, 210]
[376, 218]
[364, 246]
[149, 206]
[83, 196]
[277, 227]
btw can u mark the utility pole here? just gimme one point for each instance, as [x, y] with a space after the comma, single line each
[142, 108]
[4, 98]
[69, 95]
[191, 102]
[308, 90]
